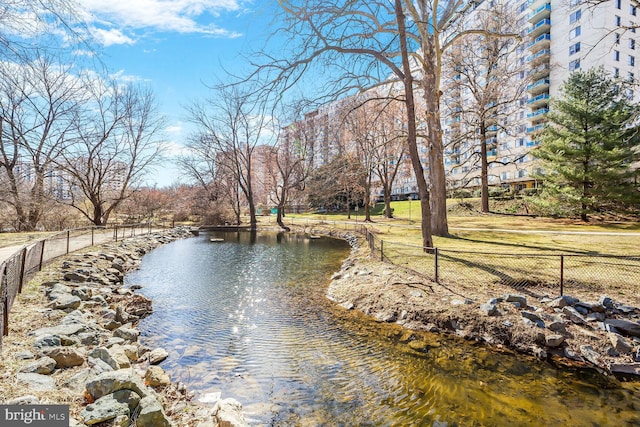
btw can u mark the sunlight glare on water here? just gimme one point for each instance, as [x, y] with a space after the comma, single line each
[248, 317]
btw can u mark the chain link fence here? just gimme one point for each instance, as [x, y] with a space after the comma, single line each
[15, 270]
[541, 273]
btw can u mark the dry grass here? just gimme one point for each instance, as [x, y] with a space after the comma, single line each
[14, 239]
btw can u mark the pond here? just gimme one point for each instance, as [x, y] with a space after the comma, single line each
[248, 317]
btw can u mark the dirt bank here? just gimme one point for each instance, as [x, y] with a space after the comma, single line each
[603, 334]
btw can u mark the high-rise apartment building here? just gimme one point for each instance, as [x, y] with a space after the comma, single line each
[558, 37]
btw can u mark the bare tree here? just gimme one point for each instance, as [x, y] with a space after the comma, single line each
[39, 103]
[118, 139]
[293, 159]
[487, 68]
[231, 123]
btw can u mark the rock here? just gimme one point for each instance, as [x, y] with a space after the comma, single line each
[65, 357]
[69, 329]
[625, 368]
[606, 302]
[48, 340]
[386, 317]
[75, 276]
[108, 407]
[519, 299]
[557, 326]
[23, 400]
[595, 317]
[76, 383]
[590, 354]
[127, 334]
[157, 355]
[25, 355]
[489, 309]
[156, 377]
[104, 355]
[44, 365]
[36, 382]
[554, 340]
[626, 327]
[151, 414]
[84, 293]
[110, 382]
[229, 413]
[563, 301]
[581, 309]
[532, 316]
[348, 305]
[122, 316]
[573, 315]
[139, 306]
[619, 343]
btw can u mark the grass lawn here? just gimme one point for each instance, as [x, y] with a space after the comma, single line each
[500, 253]
[14, 239]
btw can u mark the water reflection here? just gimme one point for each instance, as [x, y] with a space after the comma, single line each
[248, 317]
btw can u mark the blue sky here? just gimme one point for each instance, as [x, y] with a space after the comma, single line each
[176, 46]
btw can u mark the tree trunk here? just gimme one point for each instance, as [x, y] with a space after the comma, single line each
[423, 190]
[484, 169]
[388, 213]
[367, 199]
[437, 176]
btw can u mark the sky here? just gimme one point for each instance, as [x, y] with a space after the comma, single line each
[177, 47]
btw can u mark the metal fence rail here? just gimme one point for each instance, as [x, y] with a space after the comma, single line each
[16, 269]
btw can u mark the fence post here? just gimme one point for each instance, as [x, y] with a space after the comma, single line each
[5, 316]
[5, 301]
[436, 265]
[22, 265]
[381, 250]
[561, 275]
[92, 235]
[41, 256]
[68, 238]
[115, 230]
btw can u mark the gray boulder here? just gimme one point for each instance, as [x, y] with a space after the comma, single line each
[44, 365]
[108, 407]
[110, 382]
[65, 357]
[36, 382]
[151, 414]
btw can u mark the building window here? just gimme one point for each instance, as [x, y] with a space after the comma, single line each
[617, 36]
[618, 4]
[632, 60]
[616, 55]
[523, 7]
[630, 94]
[616, 72]
[522, 173]
[632, 44]
[574, 33]
[630, 76]
[633, 10]
[574, 65]
[618, 21]
[575, 16]
[574, 48]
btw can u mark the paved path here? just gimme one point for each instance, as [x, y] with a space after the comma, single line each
[58, 246]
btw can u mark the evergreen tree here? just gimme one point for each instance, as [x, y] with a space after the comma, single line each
[590, 146]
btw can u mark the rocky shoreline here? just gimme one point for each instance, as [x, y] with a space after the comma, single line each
[603, 335]
[82, 349]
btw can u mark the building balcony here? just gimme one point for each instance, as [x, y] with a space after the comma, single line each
[536, 128]
[539, 57]
[492, 153]
[540, 13]
[538, 101]
[491, 141]
[533, 143]
[543, 41]
[492, 130]
[541, 27]
[537, 113]
[538, 87]
[536, 4]
[540, 72]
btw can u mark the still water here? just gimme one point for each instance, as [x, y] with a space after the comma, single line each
[248, 317]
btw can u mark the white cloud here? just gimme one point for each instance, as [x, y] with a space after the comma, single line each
[174, 129]
[126, 78]
[109, 37]
[112, 18]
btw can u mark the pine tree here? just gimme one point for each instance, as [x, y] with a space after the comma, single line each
[590, 146]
